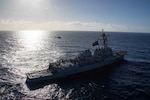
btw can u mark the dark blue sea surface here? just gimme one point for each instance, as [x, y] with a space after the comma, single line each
[25, 51]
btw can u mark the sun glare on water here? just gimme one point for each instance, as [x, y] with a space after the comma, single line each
[31, 40]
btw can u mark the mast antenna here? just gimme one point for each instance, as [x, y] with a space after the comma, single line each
[104, 37]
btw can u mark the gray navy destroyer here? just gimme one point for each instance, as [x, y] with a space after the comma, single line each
[83, 62]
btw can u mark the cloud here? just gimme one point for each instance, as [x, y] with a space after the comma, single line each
[11, 24]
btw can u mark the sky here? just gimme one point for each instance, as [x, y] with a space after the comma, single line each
[80, 15]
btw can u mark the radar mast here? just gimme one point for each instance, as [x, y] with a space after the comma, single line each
[104, 38]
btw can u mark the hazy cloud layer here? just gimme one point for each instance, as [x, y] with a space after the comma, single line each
[11, 24]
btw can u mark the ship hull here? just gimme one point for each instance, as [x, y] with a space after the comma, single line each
[73, 71]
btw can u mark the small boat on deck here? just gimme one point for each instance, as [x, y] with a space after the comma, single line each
[59, 37]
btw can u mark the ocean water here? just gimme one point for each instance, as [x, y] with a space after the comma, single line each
[25, 51]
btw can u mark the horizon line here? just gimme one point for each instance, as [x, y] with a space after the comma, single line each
[77, 31]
